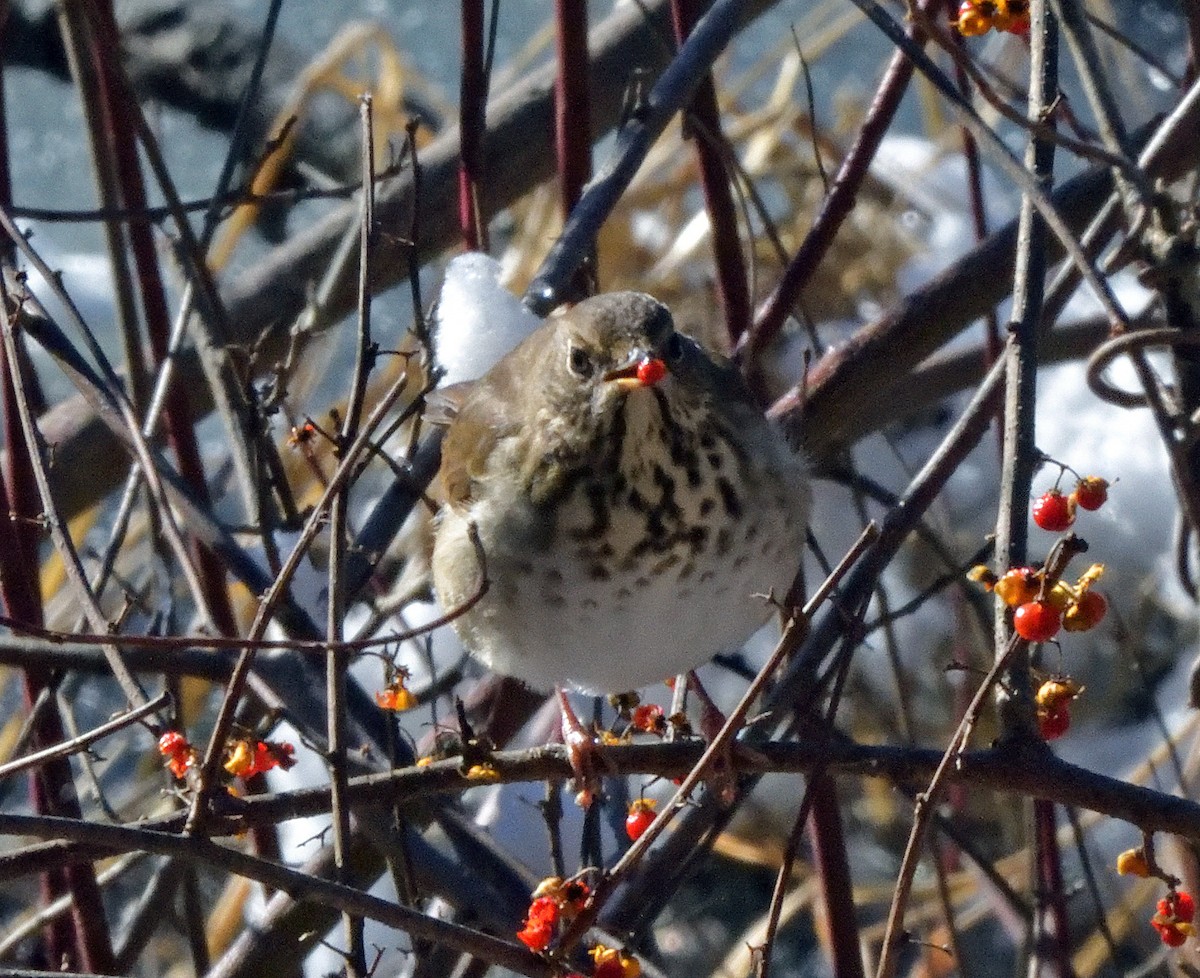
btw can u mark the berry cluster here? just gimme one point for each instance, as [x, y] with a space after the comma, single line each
[395, 695]
[180, 755]
[556, 902]
[555, 905]
[1173, 919]
[1053, 698]
[1175, 912]
[1042, 608]
[1055, 512]
[243, 758]
[977, 17]
[1043, 603]
[247, 758]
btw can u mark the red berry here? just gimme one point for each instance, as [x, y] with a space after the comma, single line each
[1171, 936]
[1053, 511]
[650, 371]
[1052, 724]
[536, 935]
[1091, 492]
[543, 910]
[1183, 906]
[1036, 621]
[172, 742]
[641, 814]
[649, 718]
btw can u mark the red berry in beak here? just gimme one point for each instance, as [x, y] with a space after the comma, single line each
[650, 371]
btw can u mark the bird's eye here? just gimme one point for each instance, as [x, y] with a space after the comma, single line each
[580, 363]
[674, 348]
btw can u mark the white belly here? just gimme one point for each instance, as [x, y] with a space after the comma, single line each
[566, 613]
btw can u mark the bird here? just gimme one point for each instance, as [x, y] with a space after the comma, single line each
[617, 509]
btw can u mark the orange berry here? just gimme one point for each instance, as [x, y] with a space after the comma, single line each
[1172, 935]
[1179, 904]
[1017, 585]
[396, 696]
[172, 742]
[649, 718]
[536, 935]
[1091, 492]
[1087, 612]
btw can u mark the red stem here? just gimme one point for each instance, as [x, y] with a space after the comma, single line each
[838, 203]
[177, 414]
[116, 111]
[84, 935]
[833, 867]
[572, 107]
[1052, 899]
[733, 291]
[471, 126]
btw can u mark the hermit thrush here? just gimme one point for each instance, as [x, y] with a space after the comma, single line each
[629, 504]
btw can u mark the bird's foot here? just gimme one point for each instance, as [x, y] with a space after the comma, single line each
[721, 779]
[581, 750]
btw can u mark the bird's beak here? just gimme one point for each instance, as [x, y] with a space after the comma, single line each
[641, 371]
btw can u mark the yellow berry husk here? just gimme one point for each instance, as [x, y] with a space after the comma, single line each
[396, 697]
[1133, 862]
[1089, 577]
[1017, 586]
[551, 886]
[240, 760]
[982, 574]
[971, 23]
[601, 953]
[482, 772]
[1055, 693]
[1060, 596]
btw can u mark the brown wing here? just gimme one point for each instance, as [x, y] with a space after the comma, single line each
[490, 412]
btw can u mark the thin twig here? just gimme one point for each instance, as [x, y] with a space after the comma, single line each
[212, 855]
[75, 744]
